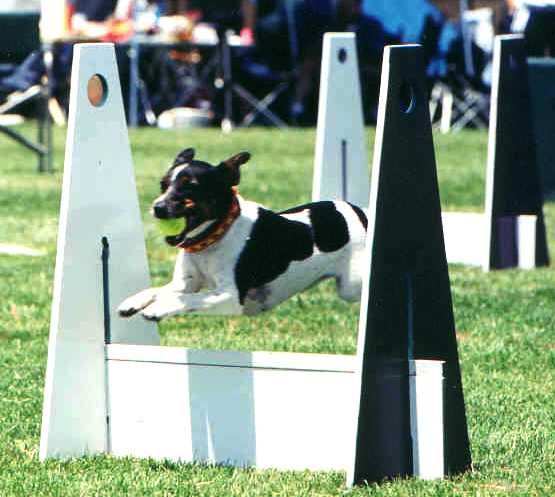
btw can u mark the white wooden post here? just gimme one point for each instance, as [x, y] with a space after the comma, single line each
[426, 418]
[341, 159]
[527, 227]
[98, 201]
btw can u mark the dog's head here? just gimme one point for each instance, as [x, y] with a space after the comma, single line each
[197, 191]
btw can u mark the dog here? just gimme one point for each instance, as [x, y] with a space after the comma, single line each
[236, 256]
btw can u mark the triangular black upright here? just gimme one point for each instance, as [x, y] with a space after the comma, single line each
[516, 183]
[406, 310]
[541, 75]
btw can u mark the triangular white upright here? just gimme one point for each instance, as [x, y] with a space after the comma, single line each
[341, 158]
[99, 201]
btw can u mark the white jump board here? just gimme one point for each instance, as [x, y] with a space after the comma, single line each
[263, 409]
[269, 410]
[466, 237]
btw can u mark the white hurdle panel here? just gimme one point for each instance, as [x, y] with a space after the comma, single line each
[267, 410]
[467, 239]
[277, 410]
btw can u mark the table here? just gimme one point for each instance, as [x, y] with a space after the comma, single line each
[139, 43]
[223, 45]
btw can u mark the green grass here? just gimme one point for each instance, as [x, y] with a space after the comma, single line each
[505, 323]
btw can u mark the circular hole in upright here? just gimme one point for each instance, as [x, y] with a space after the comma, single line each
[97, 90]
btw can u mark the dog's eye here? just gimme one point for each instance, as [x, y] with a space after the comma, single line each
[189, 181]
[182, 185]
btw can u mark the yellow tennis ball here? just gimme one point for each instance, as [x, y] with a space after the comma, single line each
[171, 227]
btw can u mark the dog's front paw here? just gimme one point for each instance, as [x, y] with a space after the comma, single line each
[132, 305]
[127, 312]
[162, 308]
[151, 316]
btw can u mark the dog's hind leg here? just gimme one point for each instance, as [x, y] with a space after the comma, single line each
[349, 281]
[348, 288]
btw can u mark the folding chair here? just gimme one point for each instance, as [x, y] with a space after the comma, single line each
[23, 79]
[231, 88]
[278, 81]
[464, 93]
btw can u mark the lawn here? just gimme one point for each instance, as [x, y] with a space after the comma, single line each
[504, 321]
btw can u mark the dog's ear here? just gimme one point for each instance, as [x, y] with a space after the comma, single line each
[231, 166]
[184, 156]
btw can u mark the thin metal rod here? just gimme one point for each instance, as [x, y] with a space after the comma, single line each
[106, 289]
[344, 169]
[467, 39]
[410, 317]
[134, 57]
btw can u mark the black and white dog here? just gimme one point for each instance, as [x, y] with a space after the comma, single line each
[237, 257]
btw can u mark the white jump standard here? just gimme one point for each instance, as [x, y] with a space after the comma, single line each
[341, 155]
[110, 389]
[99, 200]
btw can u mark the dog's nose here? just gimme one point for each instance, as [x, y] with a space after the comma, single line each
[160, 210]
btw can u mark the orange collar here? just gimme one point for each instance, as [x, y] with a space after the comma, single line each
[216, 233]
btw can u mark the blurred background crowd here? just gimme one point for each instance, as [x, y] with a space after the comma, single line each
[273, 49]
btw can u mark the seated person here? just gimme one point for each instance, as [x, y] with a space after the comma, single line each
[101, 19]
[106, 20]
[228, 14]
[536, 20]
[371, 37]
[302, 48]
